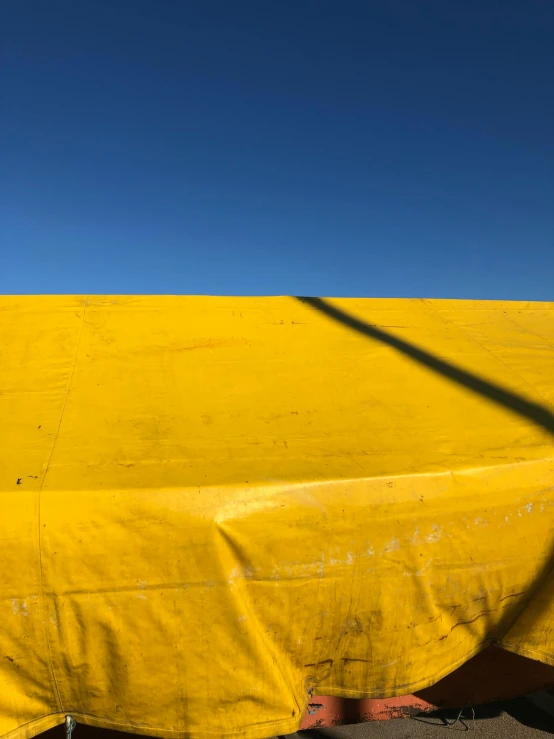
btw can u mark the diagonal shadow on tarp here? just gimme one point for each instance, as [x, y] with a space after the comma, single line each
[536, 413]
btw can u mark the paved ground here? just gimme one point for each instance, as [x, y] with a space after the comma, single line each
[509, 720]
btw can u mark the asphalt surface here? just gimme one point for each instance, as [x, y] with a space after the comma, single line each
[517, 719]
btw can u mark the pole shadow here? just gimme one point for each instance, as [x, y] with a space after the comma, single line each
[538, 414]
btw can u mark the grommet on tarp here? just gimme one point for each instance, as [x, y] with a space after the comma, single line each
[69, 726]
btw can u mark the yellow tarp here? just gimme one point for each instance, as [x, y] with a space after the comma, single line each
[212, 506]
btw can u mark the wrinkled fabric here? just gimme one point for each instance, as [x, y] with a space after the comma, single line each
[213, 507]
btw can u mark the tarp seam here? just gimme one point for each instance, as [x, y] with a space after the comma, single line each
[41, 578]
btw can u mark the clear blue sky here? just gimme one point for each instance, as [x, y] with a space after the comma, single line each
[278, 147]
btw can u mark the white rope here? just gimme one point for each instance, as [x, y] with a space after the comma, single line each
[69, 726]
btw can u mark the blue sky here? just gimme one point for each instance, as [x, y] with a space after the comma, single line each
[278, 147]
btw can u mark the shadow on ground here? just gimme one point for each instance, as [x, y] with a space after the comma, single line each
[511, 719]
